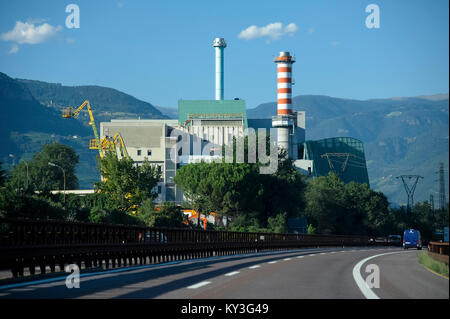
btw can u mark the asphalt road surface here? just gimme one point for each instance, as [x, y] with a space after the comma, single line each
[331, 273]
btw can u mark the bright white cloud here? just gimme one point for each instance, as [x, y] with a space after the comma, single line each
[273, 31]
[26, 32]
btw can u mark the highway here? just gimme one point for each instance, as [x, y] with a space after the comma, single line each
[330, 273]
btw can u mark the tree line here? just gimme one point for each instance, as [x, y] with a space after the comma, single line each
[236, 192]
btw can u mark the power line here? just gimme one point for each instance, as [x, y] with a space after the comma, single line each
[410, 190]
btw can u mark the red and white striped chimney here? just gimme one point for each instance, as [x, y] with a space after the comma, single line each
[284, 83]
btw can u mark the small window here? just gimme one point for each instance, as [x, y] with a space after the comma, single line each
[138, 152]
[159, 189]
[149, 152]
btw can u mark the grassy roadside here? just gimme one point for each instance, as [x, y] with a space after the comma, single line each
[433, 265]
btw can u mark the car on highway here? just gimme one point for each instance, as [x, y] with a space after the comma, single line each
[412, 239]
[395, 240]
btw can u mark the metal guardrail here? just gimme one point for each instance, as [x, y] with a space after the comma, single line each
[438, 251]
[26, 243]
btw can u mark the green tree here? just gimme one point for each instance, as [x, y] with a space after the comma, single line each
[38, 175]
[125, 186]
[2, 175]
[354, 209]
[166, 215]
[278, 223]
[324, 204]
[311, 230]
[227, 189]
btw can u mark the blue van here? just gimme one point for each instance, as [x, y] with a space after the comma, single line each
[412, 239]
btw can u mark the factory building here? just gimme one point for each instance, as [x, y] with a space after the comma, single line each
[150, 139]
[342, 155]
[213, 123]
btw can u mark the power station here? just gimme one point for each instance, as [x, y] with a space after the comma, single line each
[210, 124]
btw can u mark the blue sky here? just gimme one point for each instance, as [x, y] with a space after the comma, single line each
[161, 51]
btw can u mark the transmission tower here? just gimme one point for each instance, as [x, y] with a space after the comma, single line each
[340, 171]
[442, 199]
[410, 190]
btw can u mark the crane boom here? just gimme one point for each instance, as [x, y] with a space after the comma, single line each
[69, 113]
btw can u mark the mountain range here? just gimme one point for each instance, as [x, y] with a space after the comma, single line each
[401, 136]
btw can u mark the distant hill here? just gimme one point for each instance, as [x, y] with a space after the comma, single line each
[170, 112]
[400, 135]
[30, 116]
[20, 112]
[106, 103]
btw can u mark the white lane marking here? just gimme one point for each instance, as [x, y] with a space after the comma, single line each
[200, 284]
[366, 291]
[255, 266]
[312, 255]
[232, 273]
[272, 262]
[323, 253]
[333, 252]
[300, 256]
[287, 259]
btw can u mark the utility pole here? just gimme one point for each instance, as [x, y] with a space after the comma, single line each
[64, 175]
[410, 190]
[432, 203]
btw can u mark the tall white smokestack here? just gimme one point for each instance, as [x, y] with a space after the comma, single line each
[219, 44]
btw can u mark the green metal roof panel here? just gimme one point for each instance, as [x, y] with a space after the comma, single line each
[231, 107]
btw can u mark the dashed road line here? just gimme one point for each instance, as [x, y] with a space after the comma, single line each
[272, 262]
[287, 259]
[200, 284]
[232, 273]
[254, 267]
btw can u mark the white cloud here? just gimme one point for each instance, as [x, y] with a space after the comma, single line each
[26, 32]
[14, 49]
[273, 31]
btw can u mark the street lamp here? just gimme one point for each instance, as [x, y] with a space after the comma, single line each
[64, 174]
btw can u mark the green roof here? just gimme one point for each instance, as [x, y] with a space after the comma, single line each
[228, 109]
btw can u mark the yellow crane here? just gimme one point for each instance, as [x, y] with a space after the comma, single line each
[103, 144]
[69, 113]
[111, 144]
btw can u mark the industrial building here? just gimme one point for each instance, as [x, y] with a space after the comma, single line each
[213, 123]
[343, 156]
